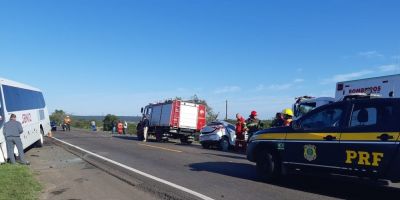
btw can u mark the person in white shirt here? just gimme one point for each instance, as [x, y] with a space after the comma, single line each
[125, 127]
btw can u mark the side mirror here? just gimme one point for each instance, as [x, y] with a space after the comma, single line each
[141, 110]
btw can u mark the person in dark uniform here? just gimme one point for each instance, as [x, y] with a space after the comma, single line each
[12, 131]
[253, 124]
[279, 121]
[145, 125]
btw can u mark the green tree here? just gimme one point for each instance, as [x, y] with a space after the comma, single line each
[108, 122]
[58, 116]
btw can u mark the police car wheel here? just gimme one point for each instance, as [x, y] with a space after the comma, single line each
[267, 166]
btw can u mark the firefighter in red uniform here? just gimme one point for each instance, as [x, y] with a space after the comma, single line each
[120, 128]
[241, 129]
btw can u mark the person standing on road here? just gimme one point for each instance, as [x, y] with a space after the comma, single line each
[120, 128]
[67, 122]
[125, 127]
[12, 131]
[241, 130]
[253, 124]
[113, 128]
[278, 121]
[139, 131]
[145, 125]
[93, 124]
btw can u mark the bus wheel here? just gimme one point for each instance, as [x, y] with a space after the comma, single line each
[39, 143]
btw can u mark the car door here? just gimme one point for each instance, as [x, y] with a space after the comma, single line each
[316, 141]
[369, 141]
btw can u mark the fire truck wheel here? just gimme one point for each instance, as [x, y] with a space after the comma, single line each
[159, 137]
[185, 140]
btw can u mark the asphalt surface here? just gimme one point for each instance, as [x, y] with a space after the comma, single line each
[220, 175]
[66, 176]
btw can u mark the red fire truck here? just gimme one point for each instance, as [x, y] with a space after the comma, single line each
[175, 119]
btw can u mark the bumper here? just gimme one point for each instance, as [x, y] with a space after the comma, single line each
[210, 142]
[209, 138]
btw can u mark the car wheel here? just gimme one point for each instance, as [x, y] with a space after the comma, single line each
[205, 146]
[224, 144]
[268, 166]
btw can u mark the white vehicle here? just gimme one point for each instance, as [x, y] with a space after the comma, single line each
[384, 86]
[28, 104]
[220, 134]
[306, 104]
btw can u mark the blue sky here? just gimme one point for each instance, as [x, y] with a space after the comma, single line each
[93, 57]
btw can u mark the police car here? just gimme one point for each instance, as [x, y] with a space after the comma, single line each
[354, 137]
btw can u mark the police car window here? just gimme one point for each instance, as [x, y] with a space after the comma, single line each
[366, 116]
[387, 118]
[324, 119]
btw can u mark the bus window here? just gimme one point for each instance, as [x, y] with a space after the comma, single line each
[17, 99]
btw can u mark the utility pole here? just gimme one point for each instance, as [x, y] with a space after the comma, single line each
[226, 110]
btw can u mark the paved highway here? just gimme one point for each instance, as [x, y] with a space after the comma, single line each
[216, 174]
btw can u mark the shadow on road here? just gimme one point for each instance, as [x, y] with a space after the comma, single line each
[238, 170]
[125, 137]
[228, 156]
[332, 186]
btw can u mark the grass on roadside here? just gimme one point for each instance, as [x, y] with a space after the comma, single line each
[17, 182]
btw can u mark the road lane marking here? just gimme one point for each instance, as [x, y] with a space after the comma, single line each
[173, 150]
[181, 188]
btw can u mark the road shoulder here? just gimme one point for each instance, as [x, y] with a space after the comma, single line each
[66, 176]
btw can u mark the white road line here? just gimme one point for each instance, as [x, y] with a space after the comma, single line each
[194, 193]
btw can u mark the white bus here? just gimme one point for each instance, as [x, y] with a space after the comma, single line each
[28, 104]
